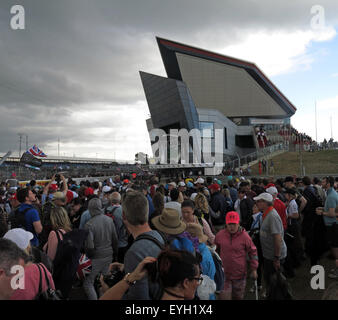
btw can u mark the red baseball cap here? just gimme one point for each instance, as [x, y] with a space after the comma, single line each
[215, 186]
[125, 181]
[89, 191]
[232, 217]
[269, 185]
[13, 197]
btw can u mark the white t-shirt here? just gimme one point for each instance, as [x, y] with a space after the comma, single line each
[292, 208]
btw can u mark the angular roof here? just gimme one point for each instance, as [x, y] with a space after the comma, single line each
[171, 52]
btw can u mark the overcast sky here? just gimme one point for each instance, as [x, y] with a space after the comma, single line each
[73, 72]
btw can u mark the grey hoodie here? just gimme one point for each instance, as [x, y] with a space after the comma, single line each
[102, 238]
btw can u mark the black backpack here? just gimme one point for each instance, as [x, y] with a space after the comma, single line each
[219, 275]
[49, 294]
[18, 219]
[67, 257]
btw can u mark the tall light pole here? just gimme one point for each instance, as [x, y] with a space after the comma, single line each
[20, 140]
[316, 119]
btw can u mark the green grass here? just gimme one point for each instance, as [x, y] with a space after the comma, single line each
[320, 162]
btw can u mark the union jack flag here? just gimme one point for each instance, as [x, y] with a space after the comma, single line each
[35, 151]
[84, 268]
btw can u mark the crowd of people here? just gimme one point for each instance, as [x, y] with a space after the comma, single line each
[187, 239]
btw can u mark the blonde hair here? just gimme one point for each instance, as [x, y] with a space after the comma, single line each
[201, 202]
[59, 219]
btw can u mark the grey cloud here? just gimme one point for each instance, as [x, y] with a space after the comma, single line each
[76, 53]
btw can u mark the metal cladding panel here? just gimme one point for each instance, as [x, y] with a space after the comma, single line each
[229, 89]
[168, 102]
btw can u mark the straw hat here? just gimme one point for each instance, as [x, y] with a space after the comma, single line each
[169, 222]
[196, 231]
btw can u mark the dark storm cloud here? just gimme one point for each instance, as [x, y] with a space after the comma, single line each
[74, 54]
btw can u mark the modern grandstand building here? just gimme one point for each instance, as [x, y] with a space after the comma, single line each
[206, 90]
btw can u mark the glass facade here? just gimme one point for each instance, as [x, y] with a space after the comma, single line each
[207, 126]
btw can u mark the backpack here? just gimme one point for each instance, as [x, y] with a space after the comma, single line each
[110, 213]
[155, 276]
[18, 219]
[67, 257]
[46, 223]
[219, 275]
[49, 294]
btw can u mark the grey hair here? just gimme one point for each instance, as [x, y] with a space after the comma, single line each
[115, 197]
[135, 207]
[10, 255]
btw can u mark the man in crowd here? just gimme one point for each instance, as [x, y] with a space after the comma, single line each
[329, 213]
[147, 243]
[26, 216]
[271, 237]
[115, 210]
[219, 206]
[101, 244]
[10, 255]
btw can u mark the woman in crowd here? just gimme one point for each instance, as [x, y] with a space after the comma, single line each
[188, 210]
[61, 225]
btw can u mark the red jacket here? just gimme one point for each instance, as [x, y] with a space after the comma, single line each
[281, 210]
[233, 250]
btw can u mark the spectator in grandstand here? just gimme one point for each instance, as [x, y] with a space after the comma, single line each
[191, 215]
[329, 214]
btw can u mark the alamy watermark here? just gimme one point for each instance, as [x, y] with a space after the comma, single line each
[318, 20]
[17, 21]
[318, 281]
[177, 143]
[18, 281]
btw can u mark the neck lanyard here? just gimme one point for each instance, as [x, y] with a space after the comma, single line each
[173, 294]
[266, 212]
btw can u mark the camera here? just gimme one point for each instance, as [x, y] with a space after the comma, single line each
[114, 277]
[57, 178]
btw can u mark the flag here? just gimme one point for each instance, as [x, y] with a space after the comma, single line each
[35, 151]
[84, 268]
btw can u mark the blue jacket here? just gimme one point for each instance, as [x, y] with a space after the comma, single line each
[208, 265]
